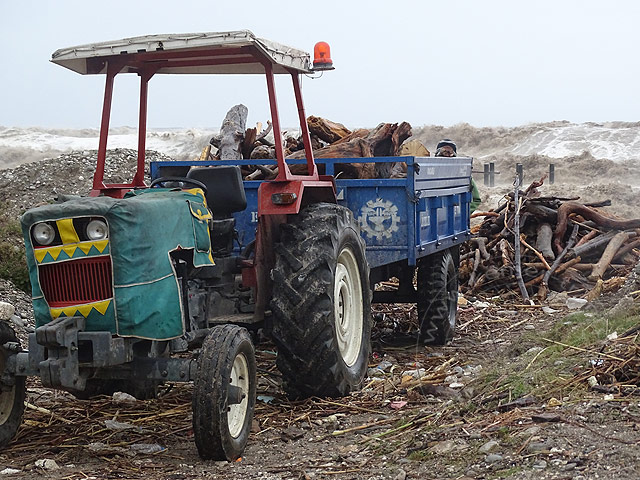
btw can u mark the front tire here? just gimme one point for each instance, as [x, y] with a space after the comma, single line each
[12, 391]
[437, 297]
[321, 303]
[224, 393]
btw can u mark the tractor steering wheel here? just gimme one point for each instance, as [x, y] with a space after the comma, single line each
[195, 183]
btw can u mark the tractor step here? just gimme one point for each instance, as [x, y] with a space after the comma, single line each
[236, 319]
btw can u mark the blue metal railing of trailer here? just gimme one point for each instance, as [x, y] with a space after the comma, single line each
[400, 218]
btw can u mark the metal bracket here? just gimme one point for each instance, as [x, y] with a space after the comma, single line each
[61, 368]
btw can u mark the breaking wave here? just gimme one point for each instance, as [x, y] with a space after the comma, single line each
[582, 153]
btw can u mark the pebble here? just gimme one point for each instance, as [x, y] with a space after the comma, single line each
[537, 447]
[493, 458]
[540, 465]
[122, 398]
[9, 471]
[47, 464]
[487, 447]
[443, 447]
[575, 303]
[530, 432]
[529, 326]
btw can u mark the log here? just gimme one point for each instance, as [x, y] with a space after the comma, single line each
[608, 254]
[588, 236]
[542, 293]
[516, 243]
[482, 246]
[588, 213]
[543, 213]
[582, 267]
[626, 249]
[326, 130]
[592, 245]
[543, 241]
[535, 252]
[229, 141]
[476, 263]
[504, 249]
[560, 269]
[384, 140]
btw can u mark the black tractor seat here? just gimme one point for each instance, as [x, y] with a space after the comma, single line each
[225, 190]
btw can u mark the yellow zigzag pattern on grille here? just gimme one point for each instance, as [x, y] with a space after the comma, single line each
[70, 250]
[83, 310]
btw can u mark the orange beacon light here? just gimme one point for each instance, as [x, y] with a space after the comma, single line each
[322, 57]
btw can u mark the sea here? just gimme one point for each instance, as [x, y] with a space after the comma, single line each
[615, 141]
[592, 160]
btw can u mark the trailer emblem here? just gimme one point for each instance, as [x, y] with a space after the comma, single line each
[379, 219]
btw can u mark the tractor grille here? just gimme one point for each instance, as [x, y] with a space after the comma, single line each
[77, 281]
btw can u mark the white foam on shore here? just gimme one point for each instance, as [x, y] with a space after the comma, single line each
[615, 141]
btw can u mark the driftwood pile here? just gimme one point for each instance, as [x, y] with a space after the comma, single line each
[564, 246]
[328, 140]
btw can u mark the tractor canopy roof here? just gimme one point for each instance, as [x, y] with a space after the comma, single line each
[236, 52]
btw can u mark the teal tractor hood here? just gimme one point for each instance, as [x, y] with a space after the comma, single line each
[132, 270]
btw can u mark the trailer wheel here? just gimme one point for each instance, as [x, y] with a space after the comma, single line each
[225, 393]
[12, 391]
[321, 303]
[438, 297]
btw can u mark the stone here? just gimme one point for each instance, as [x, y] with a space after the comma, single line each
[47, 464]
[558, 299]
[540, 465]
[537, 447]
[487, 447]
[575, 303]
[493, 458]
[9, 471]
[443, 447]
[625, 306]
[122, 398]
[6, 311]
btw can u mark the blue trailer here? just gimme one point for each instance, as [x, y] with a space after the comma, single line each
[401, 219]
[416, 221]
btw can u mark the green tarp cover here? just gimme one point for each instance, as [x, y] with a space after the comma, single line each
[144, 228]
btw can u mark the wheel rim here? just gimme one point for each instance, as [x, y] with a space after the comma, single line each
[6, 404]
[236, 413]
[348, 307]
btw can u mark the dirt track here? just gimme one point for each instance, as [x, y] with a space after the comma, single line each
[450, 426]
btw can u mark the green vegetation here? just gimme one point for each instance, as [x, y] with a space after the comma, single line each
[545, 364]
[13, 265]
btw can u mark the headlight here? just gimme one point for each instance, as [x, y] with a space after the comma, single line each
[97, 230]
[43, 233]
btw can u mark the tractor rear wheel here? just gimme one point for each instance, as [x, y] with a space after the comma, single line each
[224, 394]
[12, 391]
[321, 303]
[438, 296]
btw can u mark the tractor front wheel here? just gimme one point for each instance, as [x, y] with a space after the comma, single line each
[224, 393]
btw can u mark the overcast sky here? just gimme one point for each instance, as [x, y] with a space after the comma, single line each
[487, 63]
